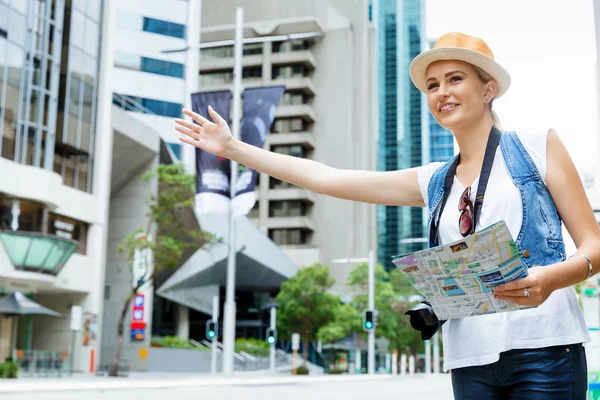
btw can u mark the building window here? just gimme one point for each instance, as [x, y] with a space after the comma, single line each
[69, 228]
[293, 98]
[292, 150]
[227, 51]
[20, 215]
[150, 65]
[161, 27]
[288, 208]
[288, 236]
[282, 125]
[224, 77]
[291, 45]
[289, 71]
[158, 107]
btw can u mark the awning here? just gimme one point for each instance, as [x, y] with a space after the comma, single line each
[259, 263]
[37, 252]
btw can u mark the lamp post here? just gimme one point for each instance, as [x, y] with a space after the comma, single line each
[238, 42]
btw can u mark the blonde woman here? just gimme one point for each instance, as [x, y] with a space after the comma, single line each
[529, 181]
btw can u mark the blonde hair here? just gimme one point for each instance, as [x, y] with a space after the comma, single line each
[485, 78]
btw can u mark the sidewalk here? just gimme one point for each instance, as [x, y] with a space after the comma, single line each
[80, 382]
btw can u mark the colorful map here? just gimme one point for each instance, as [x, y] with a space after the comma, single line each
[457, 278]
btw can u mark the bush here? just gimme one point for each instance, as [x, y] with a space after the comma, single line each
[335, 371]
[173, 342]
[302, 370]
[9, 369]
[254, 347]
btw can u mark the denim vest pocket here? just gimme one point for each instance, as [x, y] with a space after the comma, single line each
[558, 246]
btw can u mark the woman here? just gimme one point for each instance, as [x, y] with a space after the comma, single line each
[525, 180]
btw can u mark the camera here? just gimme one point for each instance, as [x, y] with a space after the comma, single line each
[423, 319]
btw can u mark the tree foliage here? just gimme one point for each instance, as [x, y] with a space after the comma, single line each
[170, 235]
[306, 305]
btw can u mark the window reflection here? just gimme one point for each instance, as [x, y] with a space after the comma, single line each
[20, 215]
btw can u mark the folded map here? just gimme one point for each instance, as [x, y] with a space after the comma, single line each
[457, 278]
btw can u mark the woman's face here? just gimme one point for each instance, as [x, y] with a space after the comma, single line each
[455, 94]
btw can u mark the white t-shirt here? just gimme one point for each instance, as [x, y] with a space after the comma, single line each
[479, 340]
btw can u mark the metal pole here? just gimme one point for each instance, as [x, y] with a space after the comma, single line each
[428, 357]
[229, 320]
[71, 356]
[272, 350]
[213, 349]
[371, 355]
[436, 354]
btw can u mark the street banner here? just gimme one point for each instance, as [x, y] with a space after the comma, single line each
[258, 114]
[212, 173]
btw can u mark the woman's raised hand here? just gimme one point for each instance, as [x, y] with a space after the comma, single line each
[211, 137]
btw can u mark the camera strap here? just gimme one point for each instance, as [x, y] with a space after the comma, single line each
[486, 169]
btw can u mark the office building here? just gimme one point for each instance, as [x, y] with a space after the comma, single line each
[403, 140]
[327, 114]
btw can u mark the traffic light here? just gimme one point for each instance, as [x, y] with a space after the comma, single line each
[271, 335]
[211, 329]
[368, 320]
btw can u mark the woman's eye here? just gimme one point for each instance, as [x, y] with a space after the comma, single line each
[431, 86]
[456, 78]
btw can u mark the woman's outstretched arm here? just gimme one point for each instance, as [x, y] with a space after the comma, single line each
[399, 188]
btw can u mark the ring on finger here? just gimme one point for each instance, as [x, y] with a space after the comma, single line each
[526, 292]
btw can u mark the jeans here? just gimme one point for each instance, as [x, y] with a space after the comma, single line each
[552, 373]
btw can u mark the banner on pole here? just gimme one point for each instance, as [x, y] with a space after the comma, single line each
[258, 114]
[213, 174]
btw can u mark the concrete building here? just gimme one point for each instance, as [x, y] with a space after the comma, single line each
[328, 114]
[70, 185]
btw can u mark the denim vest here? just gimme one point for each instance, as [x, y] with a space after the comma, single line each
[540, 239]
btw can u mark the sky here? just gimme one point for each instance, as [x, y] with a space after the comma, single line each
[549, 49]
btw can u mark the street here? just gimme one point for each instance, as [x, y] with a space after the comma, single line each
[262, 388]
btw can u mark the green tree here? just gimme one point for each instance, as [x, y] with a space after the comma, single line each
[306, 305]
[346, 318]
[176, 234]
[385, 296]
[392, 291]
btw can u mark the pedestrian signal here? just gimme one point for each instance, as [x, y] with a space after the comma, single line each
[271, 335]
[368, 320]
[211, 329]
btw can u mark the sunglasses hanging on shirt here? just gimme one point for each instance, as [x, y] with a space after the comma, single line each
[469, 212]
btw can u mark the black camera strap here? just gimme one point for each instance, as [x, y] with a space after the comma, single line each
[486, 169]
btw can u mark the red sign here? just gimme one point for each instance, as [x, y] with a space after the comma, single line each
[138, 323]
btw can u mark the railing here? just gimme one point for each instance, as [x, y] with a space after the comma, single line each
[128, 104]
[41, 362]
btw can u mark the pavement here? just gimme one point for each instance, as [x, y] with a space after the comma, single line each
[209, 387]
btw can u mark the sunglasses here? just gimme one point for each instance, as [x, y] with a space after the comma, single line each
[465, 206]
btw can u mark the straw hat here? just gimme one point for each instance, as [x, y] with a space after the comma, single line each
[462, 47]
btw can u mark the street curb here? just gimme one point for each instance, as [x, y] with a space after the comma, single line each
[120, 383]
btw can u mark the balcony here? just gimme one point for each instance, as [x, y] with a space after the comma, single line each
[305, 139]
[304, 111]
[293, 193]
[304, 57]
[37, 252]
[304, 84]
[290, 223]
[209, 64]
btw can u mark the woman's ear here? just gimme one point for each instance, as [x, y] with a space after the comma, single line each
[491, 89]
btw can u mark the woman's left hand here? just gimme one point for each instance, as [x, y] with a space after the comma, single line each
[536, 284]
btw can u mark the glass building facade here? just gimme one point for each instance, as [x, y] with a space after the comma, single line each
[403, 136]
[441, 142]
[49, 54]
